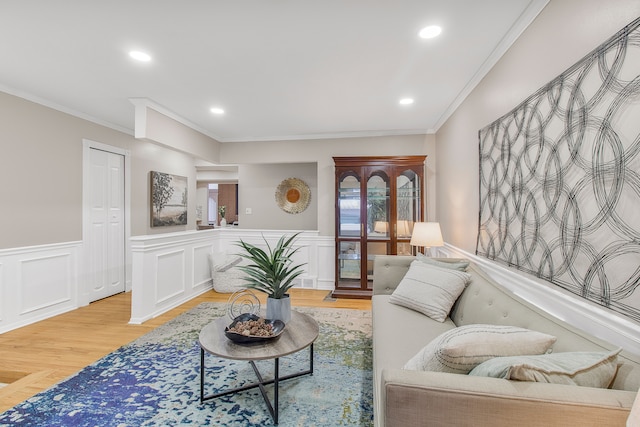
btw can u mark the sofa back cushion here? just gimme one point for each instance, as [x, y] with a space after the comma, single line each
[484, 301]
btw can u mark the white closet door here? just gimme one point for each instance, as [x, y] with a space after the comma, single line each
[106, 242]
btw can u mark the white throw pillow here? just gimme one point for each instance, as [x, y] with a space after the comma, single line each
[581, 368]
[430, 290]
[461, 349]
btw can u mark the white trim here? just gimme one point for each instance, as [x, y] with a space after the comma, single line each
[336, 135]
[140, 118]
[516, 30]
[142, 104]
[50, 104]
[578, 312]
[38, 248]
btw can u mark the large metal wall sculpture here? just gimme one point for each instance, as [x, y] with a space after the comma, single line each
[560, 179]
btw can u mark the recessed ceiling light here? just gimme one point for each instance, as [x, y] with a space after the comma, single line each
[216, 110]
[430, 32]
[406, 101]
[140, 56]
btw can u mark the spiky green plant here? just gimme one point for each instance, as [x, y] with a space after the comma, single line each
[271, 271]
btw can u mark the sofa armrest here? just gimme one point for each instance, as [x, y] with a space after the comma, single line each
[411, 398]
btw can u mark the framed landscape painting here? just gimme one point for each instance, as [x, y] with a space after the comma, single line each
[168, 199]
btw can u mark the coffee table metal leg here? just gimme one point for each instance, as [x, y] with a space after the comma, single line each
[276, 379]
[273, 409]
[201, 374]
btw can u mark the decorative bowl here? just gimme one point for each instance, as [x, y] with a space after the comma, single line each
[276, 325]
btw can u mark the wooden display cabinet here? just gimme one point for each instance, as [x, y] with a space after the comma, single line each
[378, 199]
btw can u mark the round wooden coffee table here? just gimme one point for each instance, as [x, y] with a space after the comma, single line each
[300, 332]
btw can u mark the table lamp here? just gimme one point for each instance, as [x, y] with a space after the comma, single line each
[427, 235]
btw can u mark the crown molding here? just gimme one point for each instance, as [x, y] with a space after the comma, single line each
[516, 30]
[49, 104]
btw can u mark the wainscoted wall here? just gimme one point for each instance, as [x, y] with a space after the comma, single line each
[170, 269]
[578, 312]
[167, 270]
[38, 282]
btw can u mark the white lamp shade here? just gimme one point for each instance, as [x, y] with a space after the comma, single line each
[634, 416]
[426, 234]
[381, 227]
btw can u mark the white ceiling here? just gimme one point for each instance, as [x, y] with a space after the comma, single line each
[281, 69]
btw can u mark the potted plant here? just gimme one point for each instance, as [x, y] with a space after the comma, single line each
[222, 210]
[272, 272]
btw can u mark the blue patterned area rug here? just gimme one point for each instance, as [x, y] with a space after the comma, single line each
[155, 381]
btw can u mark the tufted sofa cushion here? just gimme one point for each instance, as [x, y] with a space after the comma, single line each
[483, 301]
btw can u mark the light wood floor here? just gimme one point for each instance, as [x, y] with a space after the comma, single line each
[35, 357]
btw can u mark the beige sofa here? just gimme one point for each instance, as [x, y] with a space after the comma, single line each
[406, 398]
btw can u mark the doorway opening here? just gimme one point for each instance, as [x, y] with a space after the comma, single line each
[222, 196]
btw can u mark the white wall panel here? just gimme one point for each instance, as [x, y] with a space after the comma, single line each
[326, 263]
[44, 282]
[38, 282]
[170, 276]
[201, 270]
[164, 269]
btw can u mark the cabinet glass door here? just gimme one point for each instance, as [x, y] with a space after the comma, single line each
[349, 231]
[378, 192]
[349, 206]
[349, 264]
[378, 218]
[408, 204]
